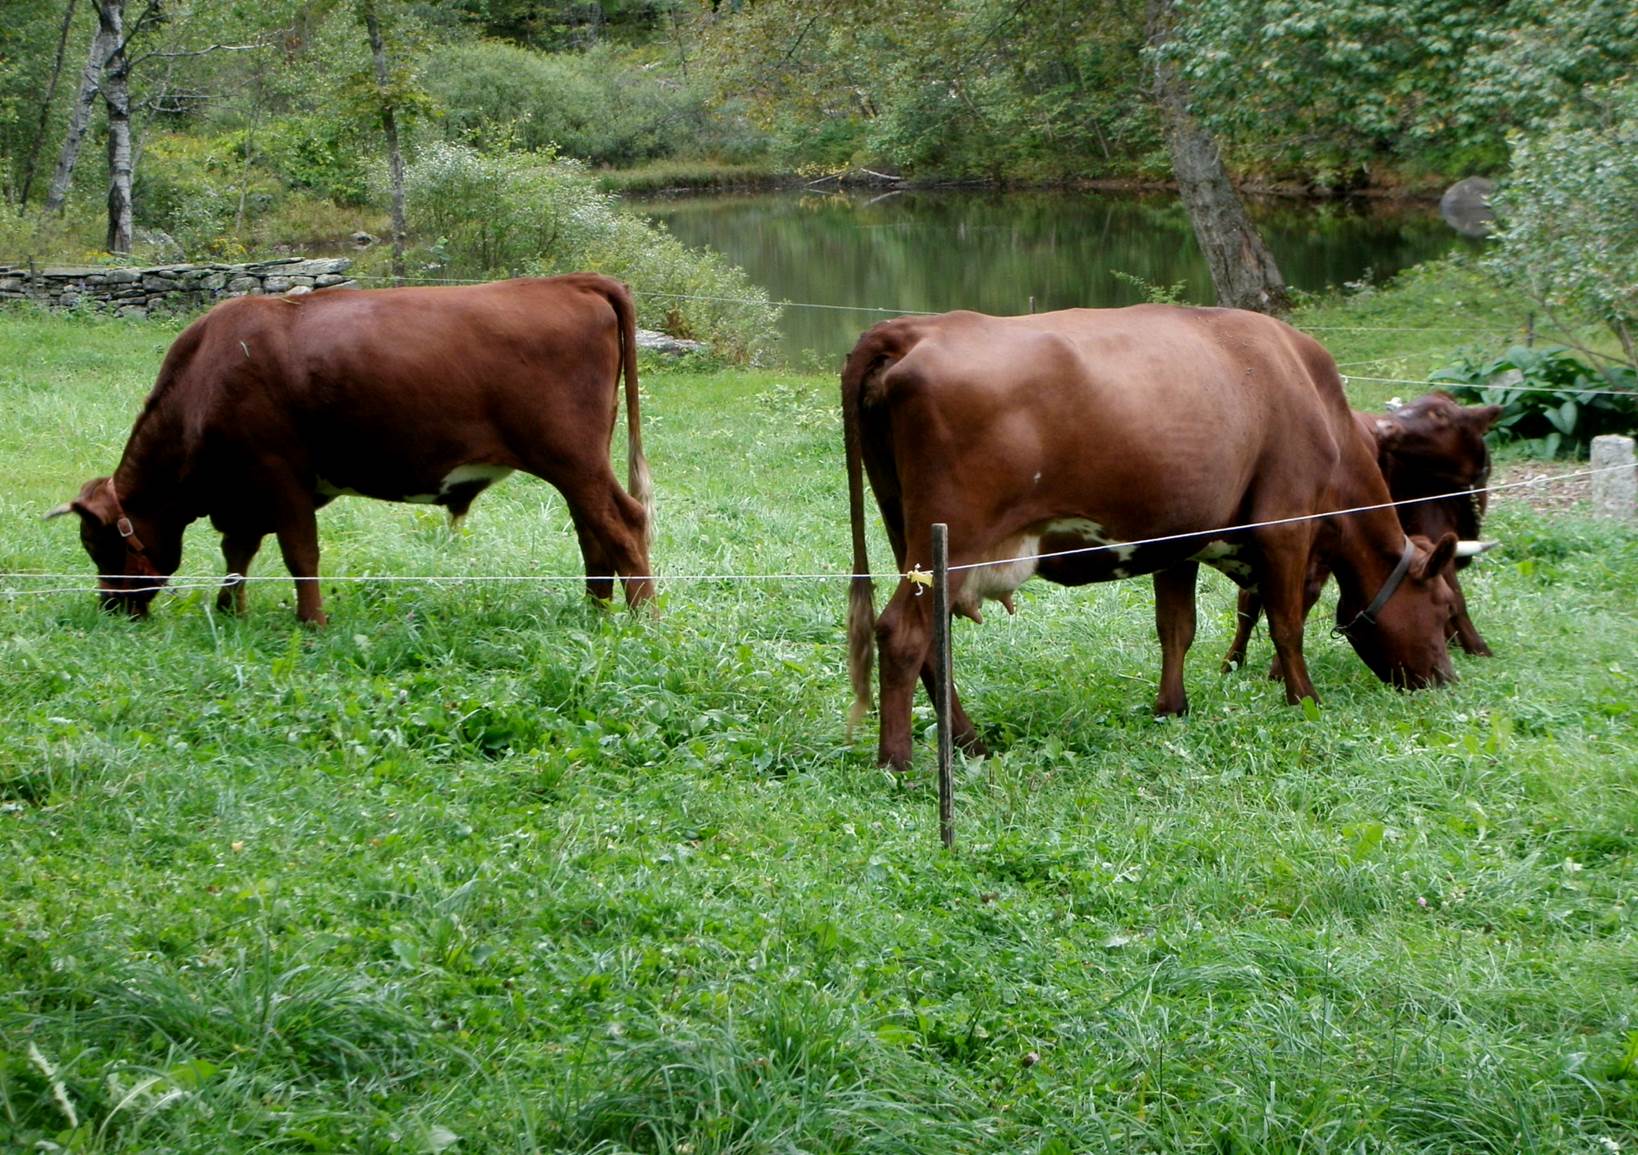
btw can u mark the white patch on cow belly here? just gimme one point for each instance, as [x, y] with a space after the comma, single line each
[1224, 557]
[326, 489]
[1011, 565]
[1091, 534]
[463, 474]
[460, 475]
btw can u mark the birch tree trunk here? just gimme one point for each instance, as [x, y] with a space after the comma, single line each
[116, 95]
[45, 105]
[103, 44]
[1243, 271]
[389, 125]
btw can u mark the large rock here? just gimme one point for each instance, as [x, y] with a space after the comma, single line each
[1466, 206]
[667, 345]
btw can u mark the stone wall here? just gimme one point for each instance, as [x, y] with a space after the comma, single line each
[165, 288]
[184, 288]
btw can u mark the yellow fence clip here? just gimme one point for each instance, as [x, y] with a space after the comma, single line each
[919, 578]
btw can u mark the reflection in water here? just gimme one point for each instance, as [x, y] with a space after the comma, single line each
[993, 251]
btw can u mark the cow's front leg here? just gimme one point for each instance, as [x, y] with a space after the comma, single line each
[1466, 633]
[1283, 586]
[238, 551]
[1175, 620]
[903, 635]
[298, 542]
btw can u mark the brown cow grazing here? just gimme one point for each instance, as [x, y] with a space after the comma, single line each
[1431, 448]
[266, 408]
[1093, 427]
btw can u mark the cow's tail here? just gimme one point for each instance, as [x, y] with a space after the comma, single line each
[861, 611]
[637, 476]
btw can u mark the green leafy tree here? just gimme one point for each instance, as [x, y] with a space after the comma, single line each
[1568, 216]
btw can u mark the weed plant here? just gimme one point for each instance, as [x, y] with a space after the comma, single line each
[482, 867]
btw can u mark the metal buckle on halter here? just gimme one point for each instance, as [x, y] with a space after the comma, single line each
[126, 529]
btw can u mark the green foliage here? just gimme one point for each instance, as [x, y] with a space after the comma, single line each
[191, 187]
[318, 153]
[985, 89]
[594, 106]
[1173, 294]
[1568, 216]
[1333, 92]
[515, 213]
[1549, 398]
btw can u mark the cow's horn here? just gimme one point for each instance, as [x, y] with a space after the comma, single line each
[65, 507]
[1474, 548]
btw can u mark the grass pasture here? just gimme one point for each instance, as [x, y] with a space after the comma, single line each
[482, 868]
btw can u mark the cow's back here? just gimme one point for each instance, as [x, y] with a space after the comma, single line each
[1173, 413]
[378, 391]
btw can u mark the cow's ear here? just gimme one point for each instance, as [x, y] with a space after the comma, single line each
[95, 502]
[57, 511]
[1482, 417]
[1442, 554]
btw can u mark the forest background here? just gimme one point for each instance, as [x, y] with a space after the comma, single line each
[213, 129]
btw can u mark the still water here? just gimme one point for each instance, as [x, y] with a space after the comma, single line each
[993, 251]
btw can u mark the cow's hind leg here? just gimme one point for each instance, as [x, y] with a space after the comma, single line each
[612, 527]
[238, 551]
[965, 734]
[1248, 609]
[903, 636]
[298, 542]
[1175, 621]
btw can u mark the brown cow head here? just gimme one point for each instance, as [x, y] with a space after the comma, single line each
[132, 556]
[1435, 441]
[1403, 641]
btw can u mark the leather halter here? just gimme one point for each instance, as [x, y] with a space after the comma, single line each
[1367, 616]
[123, 523]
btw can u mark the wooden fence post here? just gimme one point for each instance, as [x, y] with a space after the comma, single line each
[941, 682]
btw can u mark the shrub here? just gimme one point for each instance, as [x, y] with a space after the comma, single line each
[190, 186]
[1563, 404]
[1568, 216]
[319, 154]
[517, 213]
[590, 105]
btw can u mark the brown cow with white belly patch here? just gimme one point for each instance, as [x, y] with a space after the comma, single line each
[1094, 427]
[266, 408]
[1432, 455]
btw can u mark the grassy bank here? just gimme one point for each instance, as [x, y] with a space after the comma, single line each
[481, 868]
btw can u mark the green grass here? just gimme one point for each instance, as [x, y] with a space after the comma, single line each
[482, 868]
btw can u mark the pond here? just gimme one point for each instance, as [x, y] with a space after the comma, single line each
[994, 251]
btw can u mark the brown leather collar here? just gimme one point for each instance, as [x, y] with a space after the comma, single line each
[1367, 616]
[123, 522]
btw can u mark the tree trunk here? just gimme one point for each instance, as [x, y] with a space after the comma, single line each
[389, 124]
[116, 95]
[1243, 271]
[79, 116]
[45, 105]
